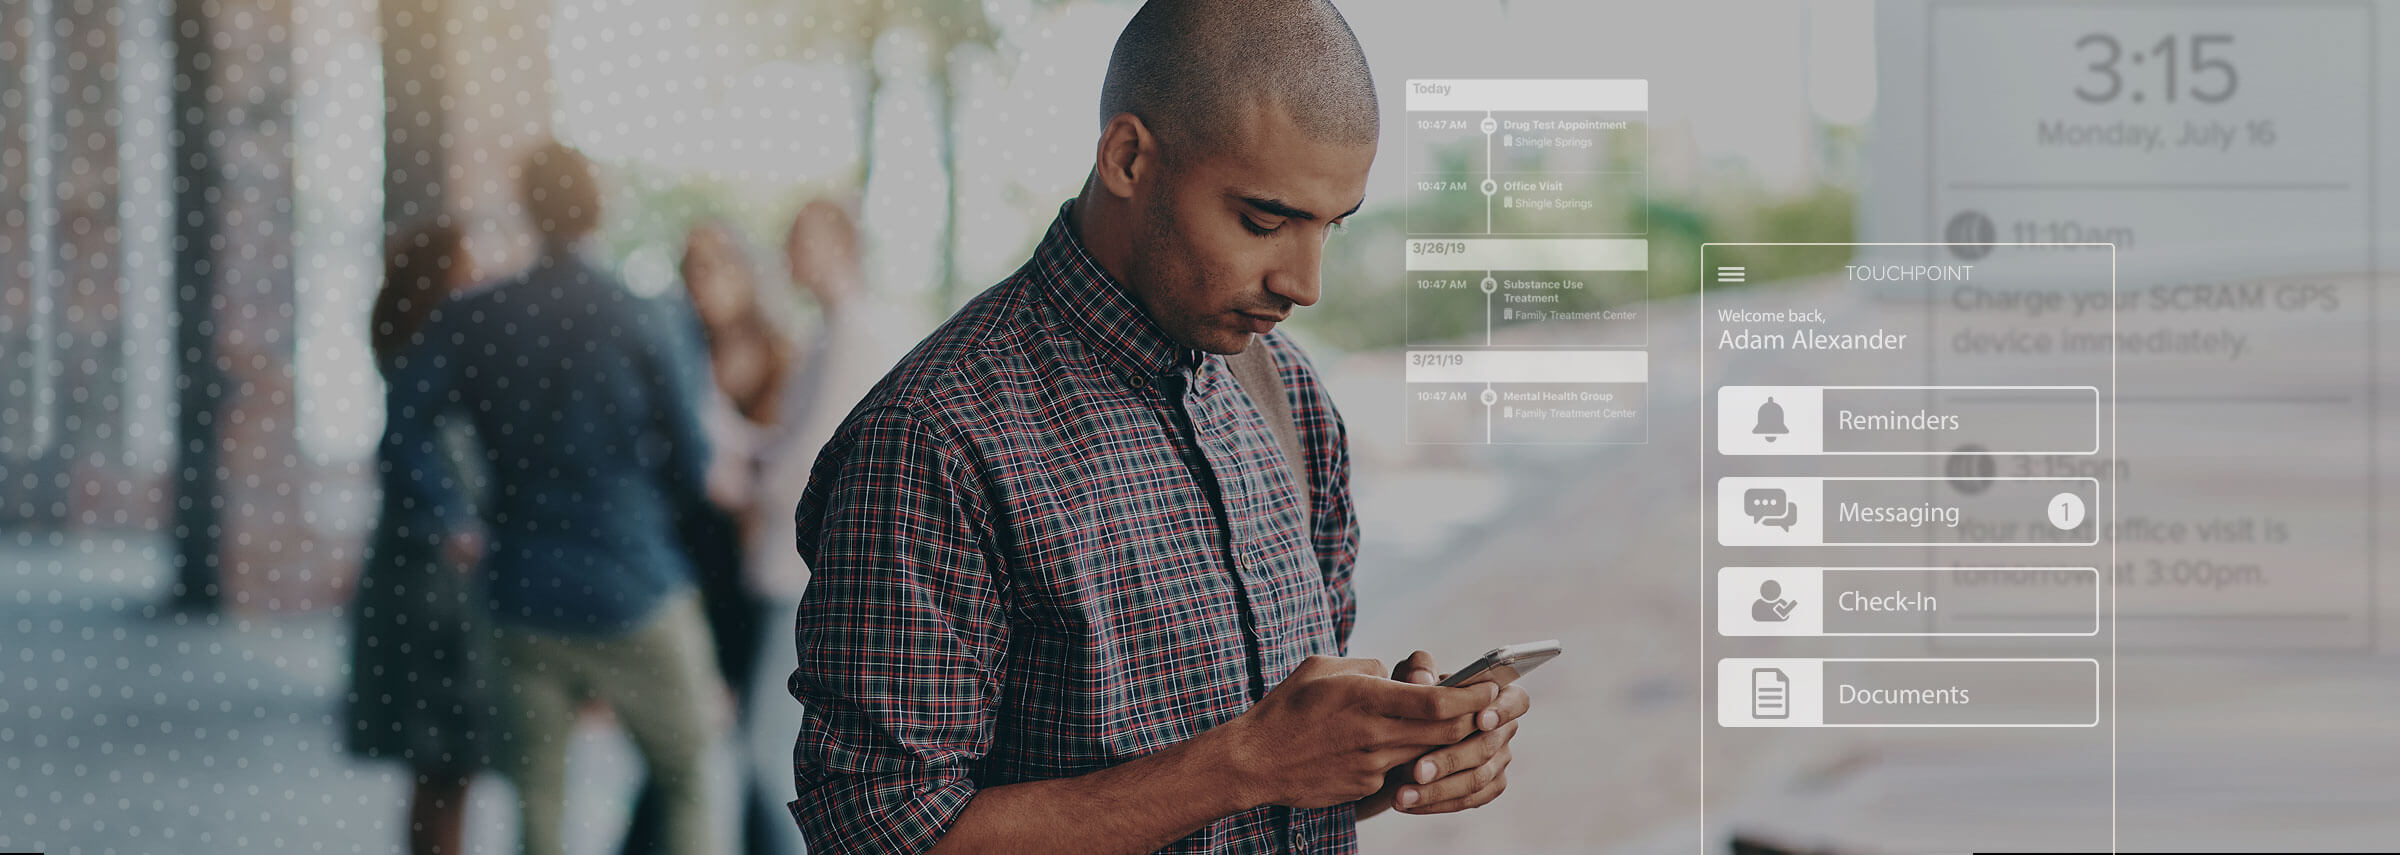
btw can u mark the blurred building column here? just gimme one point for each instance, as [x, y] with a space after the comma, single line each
[238, 471]
[62, 438]
[28, 320]
[89, 236]
[415, 130]
[468, 91]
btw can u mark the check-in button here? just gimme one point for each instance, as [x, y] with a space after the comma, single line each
[1908, 601]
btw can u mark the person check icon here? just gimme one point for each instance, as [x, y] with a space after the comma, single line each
[1771, 607]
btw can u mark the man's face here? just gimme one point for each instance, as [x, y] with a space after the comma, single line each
[1230, 240]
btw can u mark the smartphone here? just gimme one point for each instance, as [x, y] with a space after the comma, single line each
[1505, 664]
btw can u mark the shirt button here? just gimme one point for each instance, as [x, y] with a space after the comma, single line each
[1137, 381]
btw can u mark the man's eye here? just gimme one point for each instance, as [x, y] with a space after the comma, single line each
[1257, 229]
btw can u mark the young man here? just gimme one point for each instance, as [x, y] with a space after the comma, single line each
[1067, 594]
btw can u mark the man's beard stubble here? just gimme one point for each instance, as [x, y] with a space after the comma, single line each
[1164, 263]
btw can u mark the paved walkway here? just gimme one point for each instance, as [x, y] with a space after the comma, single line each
[125, 729]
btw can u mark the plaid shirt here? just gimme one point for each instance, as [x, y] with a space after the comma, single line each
[1050, 542]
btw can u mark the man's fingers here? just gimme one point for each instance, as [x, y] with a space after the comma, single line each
[1471, 801]
[1424, 734]
[1512, 704]
[1465, 754]
[1455, 787]
[1417, 668]
[1403, 700]
[1395, 758]
[1327, 666]
[1471, 788]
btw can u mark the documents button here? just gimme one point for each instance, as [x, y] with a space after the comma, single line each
[1908, 692]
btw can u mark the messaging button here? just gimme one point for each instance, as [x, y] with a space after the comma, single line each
[1905, 511]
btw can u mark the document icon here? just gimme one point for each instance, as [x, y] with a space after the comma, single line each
[1770, 694]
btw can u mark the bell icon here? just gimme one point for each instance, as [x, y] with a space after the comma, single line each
[1770, 421]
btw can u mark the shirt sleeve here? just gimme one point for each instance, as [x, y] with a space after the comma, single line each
[420, 487]
[900, 637]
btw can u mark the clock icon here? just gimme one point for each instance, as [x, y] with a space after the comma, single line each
[2066, 511]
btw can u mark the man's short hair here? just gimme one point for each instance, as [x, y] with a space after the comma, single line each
[1186, 67]
[560, 191]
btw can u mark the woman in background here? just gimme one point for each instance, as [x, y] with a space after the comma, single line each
[748, 355]
[861, 333]
[749, 358]
[419, 691]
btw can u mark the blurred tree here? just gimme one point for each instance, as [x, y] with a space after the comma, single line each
[851, 28]
[1823, 213]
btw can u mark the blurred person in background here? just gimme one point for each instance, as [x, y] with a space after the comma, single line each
[861, 333]
[581, 394]
[747, 357]
[771, 407]
[421, 677]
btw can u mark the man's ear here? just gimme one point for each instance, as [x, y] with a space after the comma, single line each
[1128, 154]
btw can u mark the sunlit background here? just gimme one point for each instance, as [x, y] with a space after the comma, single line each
[198, 195]
[956, 129]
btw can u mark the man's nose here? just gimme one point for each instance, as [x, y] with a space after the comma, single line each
[1296, 279]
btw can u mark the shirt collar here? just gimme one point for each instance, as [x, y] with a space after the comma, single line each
[1100, 311]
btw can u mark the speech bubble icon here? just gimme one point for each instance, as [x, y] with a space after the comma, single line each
[1768, 506]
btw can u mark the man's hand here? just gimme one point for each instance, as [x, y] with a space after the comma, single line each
[1328, 733]
[1467, 774]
